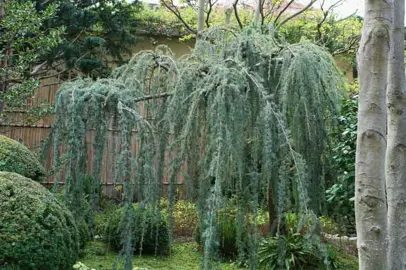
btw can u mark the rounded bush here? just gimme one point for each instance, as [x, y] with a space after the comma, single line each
[15, 157]
[150, 231]
[37, 231]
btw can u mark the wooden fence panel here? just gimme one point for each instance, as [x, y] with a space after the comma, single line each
[32, 136]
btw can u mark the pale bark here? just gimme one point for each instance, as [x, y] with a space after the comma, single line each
[258, 11]
[200, 16]
[370, 199]
[396, 146]
[228, 12]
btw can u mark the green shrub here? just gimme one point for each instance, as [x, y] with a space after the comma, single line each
[293, 251]
[150, 231]
[328, 225]
[37, 231]
[228, 227]
[15, 157]
[84, 232]
[340, 193]
[185, 218]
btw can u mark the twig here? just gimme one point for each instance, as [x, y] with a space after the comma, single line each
[296, 14]
[149, 97]
[176, 12]
[283, 10]
[236, 14]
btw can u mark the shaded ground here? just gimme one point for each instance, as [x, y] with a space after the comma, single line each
[185, 256]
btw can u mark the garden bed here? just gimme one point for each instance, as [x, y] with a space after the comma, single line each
[184, 256]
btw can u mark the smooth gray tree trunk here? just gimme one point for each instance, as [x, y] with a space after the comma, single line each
[200, 16]
[258, 11]
[370, 198]
[396, 146]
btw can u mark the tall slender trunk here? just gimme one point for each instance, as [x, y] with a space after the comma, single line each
[396, 147]
[200, 17]
[228, 13]
[258, 11]
[370, 197]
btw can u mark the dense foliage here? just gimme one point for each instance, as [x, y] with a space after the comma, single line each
[323, 27]
[95, 30]
[150, 234]
[337, 36]
[23, 41]
[340, 195]
[254, 112]
[184, 216]
[293, 251]
[37, 231]
[54, 41]
[227, 232]
[16, 157]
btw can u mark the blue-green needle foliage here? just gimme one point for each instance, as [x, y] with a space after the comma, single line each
[242, 116]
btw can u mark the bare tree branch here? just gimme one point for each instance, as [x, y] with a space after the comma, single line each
[211, 4]
[296, 14]
[176, 12]
[346, 18]
[144, 98]
[283, 10]
[352, 45]
[236, 14]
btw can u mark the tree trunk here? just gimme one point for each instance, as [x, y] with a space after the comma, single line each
[258, 11]
[396, 147]
[228, 12]
[200, 16]
[370, 197]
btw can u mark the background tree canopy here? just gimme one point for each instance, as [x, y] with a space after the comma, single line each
[59, 40]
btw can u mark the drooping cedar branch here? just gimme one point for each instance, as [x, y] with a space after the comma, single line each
[229, 114]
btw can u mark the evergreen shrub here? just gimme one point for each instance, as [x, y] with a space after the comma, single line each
[37, 231]
[227, 230]
[150, 234]
[15, 157]
[185, 218]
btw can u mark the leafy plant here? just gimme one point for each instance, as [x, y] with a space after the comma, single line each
[287, 252]
[149, 231]
[329, 225]
[185, 219]
[340, 195]
[15, 157]
[228, 229]
[294, 251]
[37, 231]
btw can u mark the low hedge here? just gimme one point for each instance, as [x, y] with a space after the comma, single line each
[37, 231]
[15, 157]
